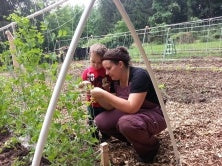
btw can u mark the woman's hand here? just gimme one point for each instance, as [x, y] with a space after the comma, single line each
[102, 97]
[97, 92]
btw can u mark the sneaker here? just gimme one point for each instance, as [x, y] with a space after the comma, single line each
[104, 137]
[150, 157]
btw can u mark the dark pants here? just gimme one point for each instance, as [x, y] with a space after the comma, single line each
[139, 128]
[93, 112]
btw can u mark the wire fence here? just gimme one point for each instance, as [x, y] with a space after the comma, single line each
[183, 40]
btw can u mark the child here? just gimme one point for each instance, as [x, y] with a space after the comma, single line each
[96, 75]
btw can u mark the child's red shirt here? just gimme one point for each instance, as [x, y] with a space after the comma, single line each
[98, 78]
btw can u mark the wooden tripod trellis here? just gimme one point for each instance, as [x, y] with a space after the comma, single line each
[64, 69]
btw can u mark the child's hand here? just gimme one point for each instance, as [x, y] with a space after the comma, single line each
[84, 84]
[85, 88]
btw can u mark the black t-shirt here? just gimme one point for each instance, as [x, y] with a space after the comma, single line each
[140, 81]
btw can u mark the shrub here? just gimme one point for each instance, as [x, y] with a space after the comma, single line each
[184, 37]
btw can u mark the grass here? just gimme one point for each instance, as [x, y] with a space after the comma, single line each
[196, 49]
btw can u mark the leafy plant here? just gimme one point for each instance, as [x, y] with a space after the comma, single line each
[25, 97]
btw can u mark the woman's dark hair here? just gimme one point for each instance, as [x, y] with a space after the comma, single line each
[117, 54]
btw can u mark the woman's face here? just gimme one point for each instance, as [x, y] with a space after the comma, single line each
[112, 69]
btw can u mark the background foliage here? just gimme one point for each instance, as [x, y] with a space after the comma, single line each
[105, 15]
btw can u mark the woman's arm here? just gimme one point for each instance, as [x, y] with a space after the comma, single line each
[102, 102]
[132, 105]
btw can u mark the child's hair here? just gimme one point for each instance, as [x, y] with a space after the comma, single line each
[98, 49]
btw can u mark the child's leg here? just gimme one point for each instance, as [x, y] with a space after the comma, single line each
[91, 117]
[94, 111]
[91, 111]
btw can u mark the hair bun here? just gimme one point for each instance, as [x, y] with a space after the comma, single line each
[122, 49]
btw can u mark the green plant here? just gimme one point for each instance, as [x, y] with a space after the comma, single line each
[162, 86]
[25, 99]
[9, 144]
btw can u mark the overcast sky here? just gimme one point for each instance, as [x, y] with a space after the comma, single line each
[79, 2]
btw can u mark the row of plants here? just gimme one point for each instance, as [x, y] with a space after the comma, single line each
[25, 95]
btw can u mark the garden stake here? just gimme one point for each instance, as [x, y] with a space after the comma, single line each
[12, 48]
[104, 154]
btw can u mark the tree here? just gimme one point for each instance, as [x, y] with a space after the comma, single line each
[94, 25]
[165, 12]
[62, 23]
[204, 8]
[8, 7]
[120, 26]
[21, 7]
[108, 16]
[139, 11]
[179, 11]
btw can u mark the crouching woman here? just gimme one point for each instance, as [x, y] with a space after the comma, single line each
[133, 110]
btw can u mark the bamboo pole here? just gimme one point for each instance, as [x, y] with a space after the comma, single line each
[149, 69]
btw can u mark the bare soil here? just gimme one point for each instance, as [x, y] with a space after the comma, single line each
[193, 91]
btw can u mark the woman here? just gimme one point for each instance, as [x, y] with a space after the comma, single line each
[133, 112]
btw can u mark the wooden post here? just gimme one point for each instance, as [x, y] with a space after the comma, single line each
[104, 154]
[12, 49]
